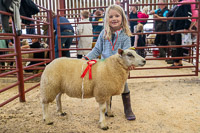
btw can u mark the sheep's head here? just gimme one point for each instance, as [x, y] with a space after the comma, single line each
[131, 58]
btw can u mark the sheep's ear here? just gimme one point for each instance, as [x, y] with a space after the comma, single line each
[120, 51]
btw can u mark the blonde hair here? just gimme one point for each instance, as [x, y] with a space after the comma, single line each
[85, 13]
[145, 10]
[139, 27]
[125, 26]
[135, 5]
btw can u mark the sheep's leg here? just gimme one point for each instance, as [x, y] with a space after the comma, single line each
[108, 108]
[46, 117]
[102, 120]
[59, 105]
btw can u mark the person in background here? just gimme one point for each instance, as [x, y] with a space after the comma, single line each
[118, 2]
[160, 26]
[140, 40]
[99, 26]
[84, 29]
[181, 10]
[2, 45]
[92, 15]
[143, 14]
[65, 30]
[35, 44]
[30, 29]
[116, 34]
[98, 16]
[194, 13]
[133, 15]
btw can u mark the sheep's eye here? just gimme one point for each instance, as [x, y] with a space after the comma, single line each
[130, 55]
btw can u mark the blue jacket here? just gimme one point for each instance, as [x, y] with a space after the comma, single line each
[107, 48]
[62, 27]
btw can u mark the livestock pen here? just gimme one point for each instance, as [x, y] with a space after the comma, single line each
[160, 100]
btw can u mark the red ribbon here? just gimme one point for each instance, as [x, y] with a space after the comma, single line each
[89, 67]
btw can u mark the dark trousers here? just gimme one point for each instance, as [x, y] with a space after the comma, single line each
[178, 52]
[161, 40]
[68, 42]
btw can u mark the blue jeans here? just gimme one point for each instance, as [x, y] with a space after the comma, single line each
[67, 41]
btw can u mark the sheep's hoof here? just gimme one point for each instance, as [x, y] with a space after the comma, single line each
[48, 123]
[63, 114]
[109, 114]
[105, 128]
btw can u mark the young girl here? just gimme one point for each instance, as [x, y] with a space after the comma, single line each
[140, 40]
[84, 29]
[116, 34]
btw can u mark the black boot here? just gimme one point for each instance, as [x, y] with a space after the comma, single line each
[127, 106]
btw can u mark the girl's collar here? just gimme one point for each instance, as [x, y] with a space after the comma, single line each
[117, 31]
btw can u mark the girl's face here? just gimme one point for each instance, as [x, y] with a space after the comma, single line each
[115, 20]
[133, 8]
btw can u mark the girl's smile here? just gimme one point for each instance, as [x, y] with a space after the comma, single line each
[115, 20]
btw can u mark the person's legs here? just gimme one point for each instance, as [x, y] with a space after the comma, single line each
[157, 43]
[127, 104]
[56, 46]
[162, 42]
[179, 51]
[67, 41]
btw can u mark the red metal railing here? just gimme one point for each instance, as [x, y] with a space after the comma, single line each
[18, 51]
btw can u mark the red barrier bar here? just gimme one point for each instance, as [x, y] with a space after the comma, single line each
[7, 55]
[31, 77]
[7, 34]
[19, 66]
[51, 34]
[155, 4]
[198, 36]
[96, 7]
[11, 99]
[24, 59]
[32, 88]
[163, 76]
[7, 73]
[10, 86]
[25, 36]
[149, 68]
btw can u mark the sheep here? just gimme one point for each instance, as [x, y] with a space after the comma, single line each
[63, 75]
[150, 40]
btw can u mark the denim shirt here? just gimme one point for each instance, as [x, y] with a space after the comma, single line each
[107, 48]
